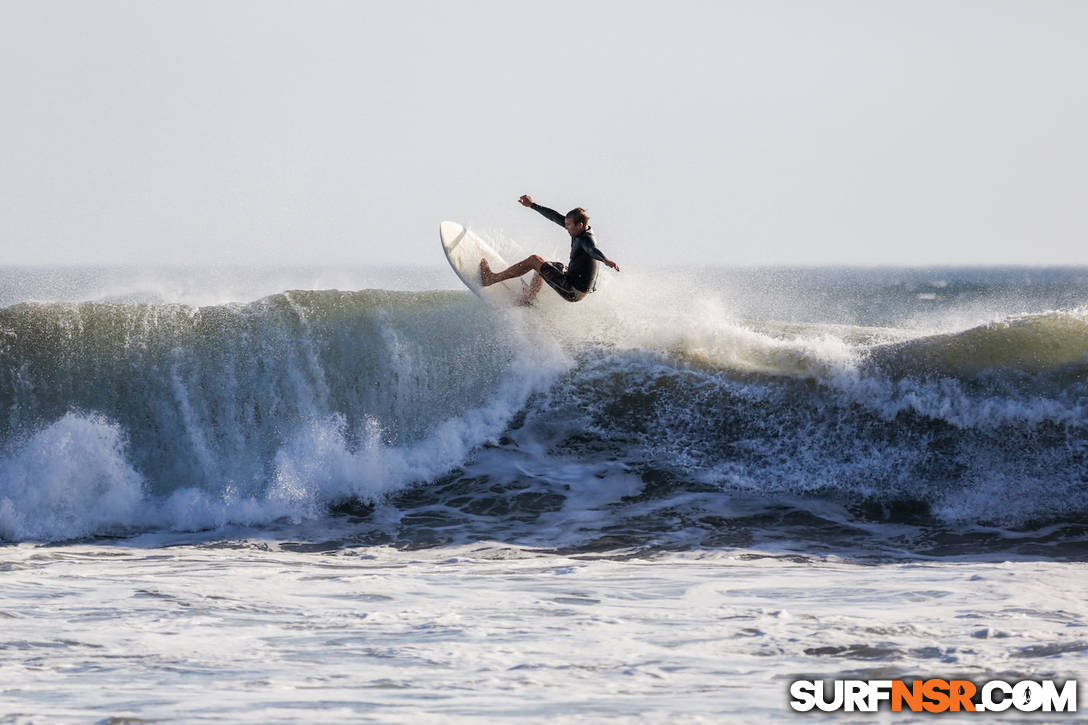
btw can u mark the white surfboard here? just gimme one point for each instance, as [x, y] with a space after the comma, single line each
[464, 250]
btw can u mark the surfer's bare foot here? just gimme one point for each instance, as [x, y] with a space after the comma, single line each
[487, 277]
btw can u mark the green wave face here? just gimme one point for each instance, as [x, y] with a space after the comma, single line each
[206, 395]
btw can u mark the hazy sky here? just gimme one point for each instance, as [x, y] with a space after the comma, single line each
[767, 132]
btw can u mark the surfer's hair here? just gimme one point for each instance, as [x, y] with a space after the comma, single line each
[578, 216]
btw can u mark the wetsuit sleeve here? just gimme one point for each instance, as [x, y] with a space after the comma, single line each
[589, 247]
[549, 213]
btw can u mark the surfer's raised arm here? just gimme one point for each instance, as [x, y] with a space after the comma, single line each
[549, 214]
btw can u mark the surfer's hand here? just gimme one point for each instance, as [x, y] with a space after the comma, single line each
[612, 264]
[526, 200]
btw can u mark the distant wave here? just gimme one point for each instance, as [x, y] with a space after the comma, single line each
[1045, 343]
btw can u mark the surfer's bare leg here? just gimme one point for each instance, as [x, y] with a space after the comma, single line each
[487, 277]
[534, 287]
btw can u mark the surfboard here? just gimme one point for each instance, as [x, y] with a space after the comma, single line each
[464, 250]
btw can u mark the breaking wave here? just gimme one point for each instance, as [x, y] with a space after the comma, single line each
[123, 417]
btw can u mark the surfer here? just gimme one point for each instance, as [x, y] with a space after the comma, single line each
[572, 282]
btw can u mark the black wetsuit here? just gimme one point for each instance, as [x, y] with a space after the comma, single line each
[577, 280]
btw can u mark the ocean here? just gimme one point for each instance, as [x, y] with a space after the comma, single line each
[334, 494]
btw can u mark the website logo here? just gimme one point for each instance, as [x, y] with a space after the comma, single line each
[933, 695]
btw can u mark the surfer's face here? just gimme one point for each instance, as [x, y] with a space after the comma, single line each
[574, 228]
